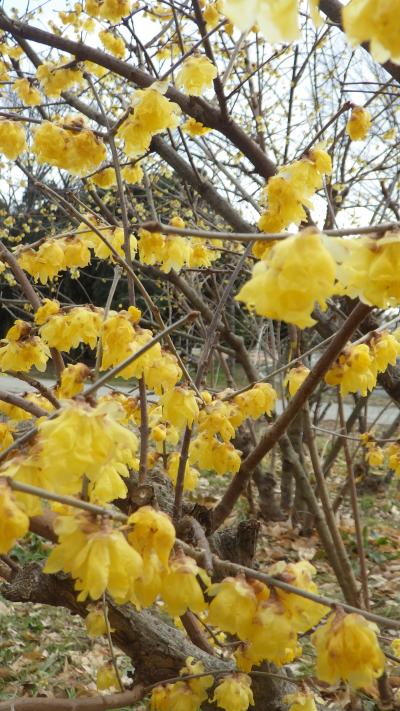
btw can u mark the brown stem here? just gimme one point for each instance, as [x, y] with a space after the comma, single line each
[348, 581]
[354, 505]
[195, 632]
[26, 405]
[95, 703]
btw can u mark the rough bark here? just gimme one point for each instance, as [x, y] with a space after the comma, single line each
[158, 650]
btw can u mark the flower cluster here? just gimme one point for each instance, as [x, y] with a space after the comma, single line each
[359, 124]
[289, 192]
[295, 274]
[187, 695]
[115, 45]
[174, 252]
[111, 10]
[12, 139]
[67, 329]
[55, 78]
[29, 95]
[54, 256]
[374, 454]
[358, 366]
[347, 648]
[151, 113]
[76, 148]
[266, 623]
[376, 22]
[21, 350]
[196, 75]
[368, 269]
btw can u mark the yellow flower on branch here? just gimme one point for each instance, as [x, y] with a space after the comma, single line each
[196, 75]
[347, 648]
[298, 272]
[181, 590]
[376, 22]
[14, 523]
[359, 124]
[21, 350]
[151, 113]
[29, 95]
[12, 139]
[97, 556]
[234, 693]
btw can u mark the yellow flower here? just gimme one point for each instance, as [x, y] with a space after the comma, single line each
[71, 380]
[111, 10]
[77, 149]
[235, 604]
[347, 648]
[152, 113]
[300, 701]
[359, 124]
[115, 45]
[95, 623]
[6, 437]
[394, 457]
[296, 377]
[132, 173]
[181, 590]
[258, 400]
[353, 370]
[175, 253]
[106, 678]
[194, 128]
[54, 78]
[376, 22]
[196, 75]
[209, 453]
[384, 349]
[48, 308]
[21, 350]
[395, 645]
[98, 557]
[304, 613]
[198, 686]
[214, 419]
[211, 15]
[289, 192]
[76, 252]
[104, 448]
[277, 19]
[45, 263]
[116, 238]
[234, 693]
[152, 530]
[369, 270]
[104, 178]
[27, 92]
[297, 273]
[12, 139]
[272, 635]
[191, 481]
[14, 523]
[180, 407]
[163, 373]
[151, 246]
[80, 324]
[375, 456]
[179, 697]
